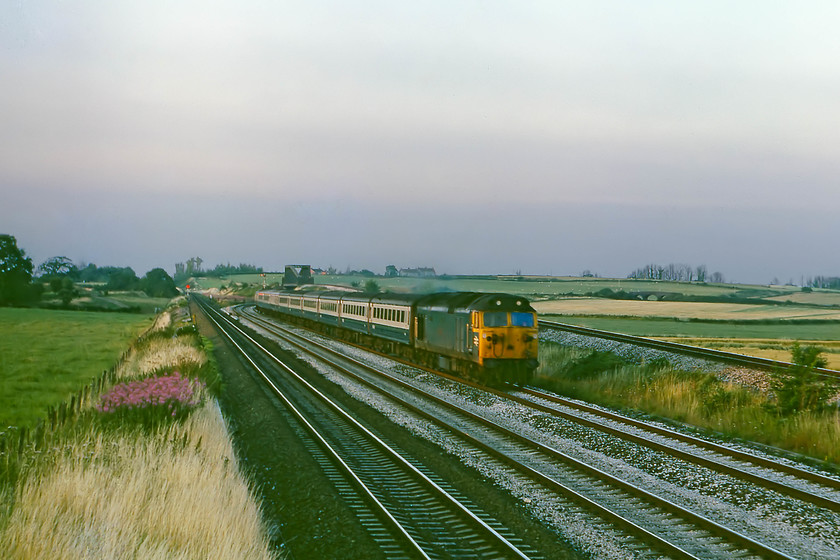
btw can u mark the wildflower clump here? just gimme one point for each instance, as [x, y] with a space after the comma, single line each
[152, 400]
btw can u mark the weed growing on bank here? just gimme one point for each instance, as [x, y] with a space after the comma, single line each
[697, 398]
[146, 470]
[151, 401]
[175, 492]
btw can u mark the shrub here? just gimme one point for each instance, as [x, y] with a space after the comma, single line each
[152, 400]
[186, 330]
[799, 388]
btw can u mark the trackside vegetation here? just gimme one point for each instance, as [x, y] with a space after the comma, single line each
[795, 412]
[143, 468]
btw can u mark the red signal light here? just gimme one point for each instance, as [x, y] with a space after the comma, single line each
[188, 286]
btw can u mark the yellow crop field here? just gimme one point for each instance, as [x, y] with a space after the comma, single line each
[812, 298]
[683, 310]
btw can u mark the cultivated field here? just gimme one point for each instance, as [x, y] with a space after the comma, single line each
[46, 355]
[685, 310]
[762, 330]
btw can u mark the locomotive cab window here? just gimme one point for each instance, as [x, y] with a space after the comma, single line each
[495, 319]
[519, 319]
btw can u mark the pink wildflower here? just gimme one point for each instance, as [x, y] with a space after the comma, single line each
[172, 393]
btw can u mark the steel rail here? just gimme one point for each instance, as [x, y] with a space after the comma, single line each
[727, 451]
[675, 347]
[695, 518]
[673, 434]
[510, 547]
[314, 432]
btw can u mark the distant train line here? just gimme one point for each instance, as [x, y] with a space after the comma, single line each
[684, 349]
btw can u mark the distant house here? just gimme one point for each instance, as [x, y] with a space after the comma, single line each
[418, 272]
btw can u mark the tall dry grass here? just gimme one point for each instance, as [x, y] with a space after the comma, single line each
[175, 495]
[695, 398]
[160, 353]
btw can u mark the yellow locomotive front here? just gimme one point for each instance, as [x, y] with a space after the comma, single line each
[505, 339]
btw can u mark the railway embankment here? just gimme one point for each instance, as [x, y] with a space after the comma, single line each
[737, 402]
[140, 467]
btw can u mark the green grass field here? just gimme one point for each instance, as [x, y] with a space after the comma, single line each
[698, 329]
[45, 356]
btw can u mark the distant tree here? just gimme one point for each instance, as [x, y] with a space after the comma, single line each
[57, 266]
[55, 283]
[391, 271]
[717, 278]
[372, 287]
[15, 273]
[122, 279]
[157, 283]
[830, 282]
[228, 269]
[180, 272]
[191, 268]
[91, 273]
[672, 272]
[67, 290]
[194, 265]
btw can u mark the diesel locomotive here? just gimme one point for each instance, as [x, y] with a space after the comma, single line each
[490, 338]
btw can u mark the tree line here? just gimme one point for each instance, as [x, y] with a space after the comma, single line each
[677, 273]
[830, 282]
[192, 268]
[22, 283]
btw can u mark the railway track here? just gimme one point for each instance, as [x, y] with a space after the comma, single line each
[738, 465]
[408, 512]
[554, 475]
[684, 349]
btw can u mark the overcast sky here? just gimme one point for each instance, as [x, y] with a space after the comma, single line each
[475, 137]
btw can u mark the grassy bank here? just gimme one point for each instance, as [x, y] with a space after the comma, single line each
[173, 493]
[696, 398]
[105, 485]
[47, 355]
